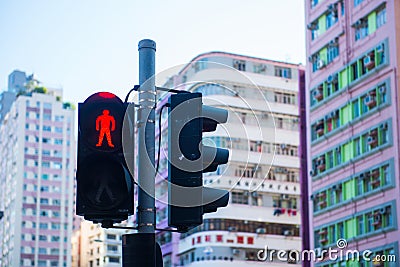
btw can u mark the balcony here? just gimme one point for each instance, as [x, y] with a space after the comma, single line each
[255, 213]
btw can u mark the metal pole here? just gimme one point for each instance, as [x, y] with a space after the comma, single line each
[140, 249]
[146, 135]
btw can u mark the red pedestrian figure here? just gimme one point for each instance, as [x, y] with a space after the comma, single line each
[103, 123]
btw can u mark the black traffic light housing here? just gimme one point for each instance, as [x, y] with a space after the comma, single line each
[188, 159]
[104, 184]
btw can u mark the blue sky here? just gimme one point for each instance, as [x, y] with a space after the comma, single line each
[88, 46]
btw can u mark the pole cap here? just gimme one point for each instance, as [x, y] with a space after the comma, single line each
[147, 43]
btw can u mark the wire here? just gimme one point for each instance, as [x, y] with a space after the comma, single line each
[159, 136]
[135, 88]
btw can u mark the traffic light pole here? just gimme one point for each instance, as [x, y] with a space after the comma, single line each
[140, 249]
[146, 133]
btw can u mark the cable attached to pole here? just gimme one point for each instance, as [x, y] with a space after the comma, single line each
[159, 135]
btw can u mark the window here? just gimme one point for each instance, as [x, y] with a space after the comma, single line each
[331, 17]
[112, 248]
[239, 198]
[46, 117]
[112, 237]
[356, 109]
[58, 141]
[44, 189]
[333, 51]
[46, 164]
[314, 3]
[55, 238]
[239, 65]
[42, 238]
[113, 259]
[314, 27]
[361, 29]
[357, 2]
[42, 251]
[46, 128]
[380, 17]
[283, 72]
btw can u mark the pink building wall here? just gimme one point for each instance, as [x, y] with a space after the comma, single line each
[349, 51]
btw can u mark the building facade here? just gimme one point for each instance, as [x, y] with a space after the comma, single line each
[263, 170]
[353, 139]
[6, 100]
[95, 246]
[37, 172]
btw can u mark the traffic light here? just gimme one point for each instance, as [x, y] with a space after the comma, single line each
[188, 159]
[104, 184]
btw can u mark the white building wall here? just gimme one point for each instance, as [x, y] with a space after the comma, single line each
[39, 221]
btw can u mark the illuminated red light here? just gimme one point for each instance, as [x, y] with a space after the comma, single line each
[106, 95]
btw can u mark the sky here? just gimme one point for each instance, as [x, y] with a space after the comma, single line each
[88, 46]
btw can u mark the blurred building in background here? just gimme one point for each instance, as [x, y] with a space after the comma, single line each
[95, 246]
[353, 139]
[263, 171]
[37, 162]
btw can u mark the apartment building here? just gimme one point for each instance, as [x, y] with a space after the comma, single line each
[96, 246]
[353, 135]
[262, 175]
[37, 162]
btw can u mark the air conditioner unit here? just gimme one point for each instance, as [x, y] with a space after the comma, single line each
[287, 233]
[283, 146]
[380, 48]
[320, 64]
[357, 24]
[371, 140]
[337, 149]
[312, 172]
[235, 251]
[328, 117]
[362, 176]
[317, 94]
[331, 8]
[382, 211]
[382, 89]
[261, 231]
[232, 229]
[335, 187]
[368, 62]
[330, 79]
[254, 194]
[369, 101]
[383, 126]
[312, 26]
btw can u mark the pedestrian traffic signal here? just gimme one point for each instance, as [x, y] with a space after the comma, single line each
[104, 184]
[188, 200]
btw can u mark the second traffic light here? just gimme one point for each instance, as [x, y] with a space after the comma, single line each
[188, 159]
[104, 184]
